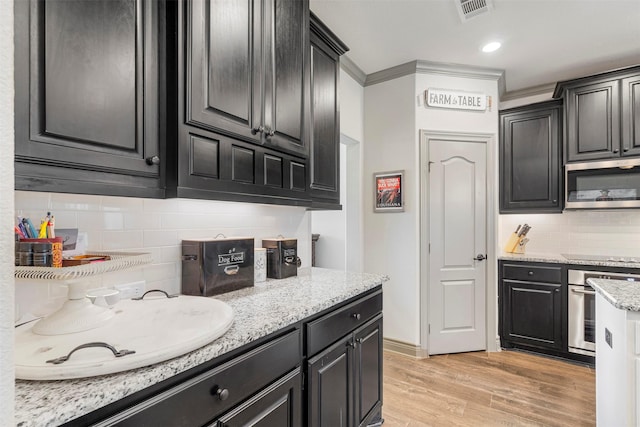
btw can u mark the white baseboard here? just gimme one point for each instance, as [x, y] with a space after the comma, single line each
[405, 348]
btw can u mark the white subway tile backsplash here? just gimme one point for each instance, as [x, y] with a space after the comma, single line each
[152, 226]
[579, 232]
[73, 202]
[117, 240]
[121, 204]
[153, 238]
[160, 205]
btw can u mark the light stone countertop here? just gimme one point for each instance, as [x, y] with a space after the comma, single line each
[557, 258]
[621, 294]
[259, 311]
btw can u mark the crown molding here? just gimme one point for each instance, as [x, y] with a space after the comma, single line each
[428, 67]
[532, 91]
[352, 69]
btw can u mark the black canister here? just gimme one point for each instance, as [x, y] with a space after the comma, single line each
[282, 257]
[42, 254]
[26, 253]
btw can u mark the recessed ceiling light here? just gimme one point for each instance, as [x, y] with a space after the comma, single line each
[491, 47]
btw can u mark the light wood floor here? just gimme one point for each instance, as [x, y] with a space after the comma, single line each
[507, 388]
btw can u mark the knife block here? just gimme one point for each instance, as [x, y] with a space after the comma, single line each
[519, 249]
[512, 243]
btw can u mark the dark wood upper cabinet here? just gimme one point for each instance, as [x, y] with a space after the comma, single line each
[247, 70]
[324, 170]
[601, 115]
[530, 158]
[89, 98]
[631, 115]
[242, 101]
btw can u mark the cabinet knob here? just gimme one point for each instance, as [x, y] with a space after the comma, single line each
[356, 316]
[615, 150]
[155, 160]
[557, 290]
[271, 132]
[625, 149]
[530, 273]
[351, 344]
[555, 201]
[221, 393]
[359, 340]
[259, 129]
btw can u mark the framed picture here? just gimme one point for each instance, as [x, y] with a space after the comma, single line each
[388, 191]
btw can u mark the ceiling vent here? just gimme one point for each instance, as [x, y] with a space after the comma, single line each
[468, 9]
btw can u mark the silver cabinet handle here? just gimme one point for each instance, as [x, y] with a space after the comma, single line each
[580, 291]
[259, 129]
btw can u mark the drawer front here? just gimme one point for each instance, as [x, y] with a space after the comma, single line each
[197, 399]
[333, 326]
[535, 273]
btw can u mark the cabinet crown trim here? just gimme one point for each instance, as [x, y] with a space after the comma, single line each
[607, 75]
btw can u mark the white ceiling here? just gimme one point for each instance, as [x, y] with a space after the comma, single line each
[543, 41]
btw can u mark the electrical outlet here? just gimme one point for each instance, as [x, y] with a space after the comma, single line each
[131, 290]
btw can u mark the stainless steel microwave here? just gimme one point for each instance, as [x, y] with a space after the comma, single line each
[609, 184]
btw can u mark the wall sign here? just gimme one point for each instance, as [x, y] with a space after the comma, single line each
[443, 98]
[388, 188]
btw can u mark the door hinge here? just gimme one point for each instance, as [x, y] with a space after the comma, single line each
[429, 328]
[429, 166]
[429, 247]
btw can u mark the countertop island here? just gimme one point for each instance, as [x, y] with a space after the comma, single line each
[259, 311]
[617, 351]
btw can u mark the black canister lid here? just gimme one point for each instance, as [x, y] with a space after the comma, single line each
[25, 246]
[42, 247]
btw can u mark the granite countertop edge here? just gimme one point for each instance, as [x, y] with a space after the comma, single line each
[620, 293]
[559, 259]
[259, 311]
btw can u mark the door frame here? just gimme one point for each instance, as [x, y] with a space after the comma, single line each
[491, 284]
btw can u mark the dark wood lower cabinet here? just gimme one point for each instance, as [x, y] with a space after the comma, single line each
[274, 381]
[330, 385]
[533, 306]
[345, 380]
[278, 405]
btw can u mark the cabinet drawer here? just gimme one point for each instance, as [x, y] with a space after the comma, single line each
[332, 326]
[534, 273]
[198, 399]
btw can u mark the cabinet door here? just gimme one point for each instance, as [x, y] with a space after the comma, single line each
[278, 405]
[87, 96]
[330, 396]
[223, 80]
[532, 313]
[325, 123]
[285, 74]
[368, 372]
[530, 178]
[593, 121]
[631, 116]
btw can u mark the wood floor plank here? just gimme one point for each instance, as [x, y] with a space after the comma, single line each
[487, 389]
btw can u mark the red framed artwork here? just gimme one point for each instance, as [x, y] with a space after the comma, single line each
[388, 188]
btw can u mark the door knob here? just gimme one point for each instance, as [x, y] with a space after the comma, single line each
[155, 160]
[480, 257]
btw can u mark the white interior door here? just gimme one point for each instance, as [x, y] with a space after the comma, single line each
[458, 241]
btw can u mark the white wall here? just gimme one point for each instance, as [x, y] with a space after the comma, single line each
[390, 239]
[394, 115]
[340, 242]
[154, 226]
[332, 226]
[6, 214]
